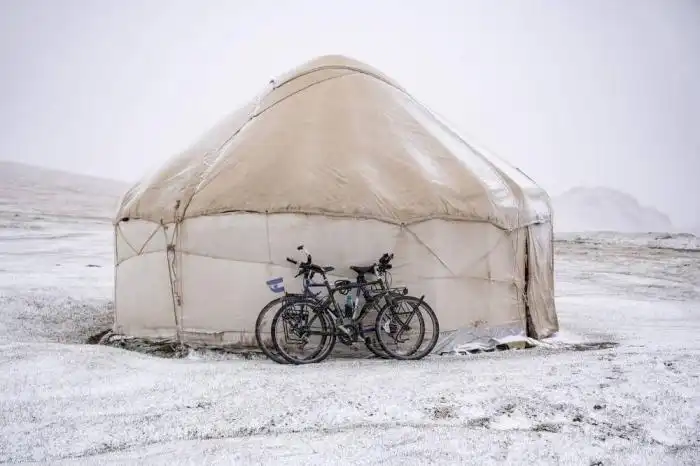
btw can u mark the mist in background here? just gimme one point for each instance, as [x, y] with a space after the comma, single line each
[573, 93]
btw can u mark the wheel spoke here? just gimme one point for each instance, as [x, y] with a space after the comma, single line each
[394, 330]
[300, 325]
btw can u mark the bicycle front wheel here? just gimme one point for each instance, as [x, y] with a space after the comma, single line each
[302, 332]
[407, 328]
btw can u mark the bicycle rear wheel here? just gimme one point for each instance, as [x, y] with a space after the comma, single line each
[263, 326]
[368, 331]
[402, 318]
[299, 323]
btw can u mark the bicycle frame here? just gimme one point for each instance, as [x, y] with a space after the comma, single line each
[329, 303]
[362, 286]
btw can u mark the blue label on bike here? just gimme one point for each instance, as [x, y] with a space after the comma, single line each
[276, 285]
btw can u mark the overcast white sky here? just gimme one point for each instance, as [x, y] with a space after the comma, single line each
[588, 92]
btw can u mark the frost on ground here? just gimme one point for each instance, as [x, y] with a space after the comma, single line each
[64, 402]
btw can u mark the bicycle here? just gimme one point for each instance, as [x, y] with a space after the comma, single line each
[346, 325]
[276, 285]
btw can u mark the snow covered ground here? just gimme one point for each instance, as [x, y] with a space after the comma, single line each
[65, 402]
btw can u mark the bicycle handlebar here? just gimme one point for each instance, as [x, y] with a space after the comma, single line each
[308, 267]
[384, 262]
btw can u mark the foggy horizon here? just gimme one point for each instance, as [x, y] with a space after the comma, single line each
[578, 94]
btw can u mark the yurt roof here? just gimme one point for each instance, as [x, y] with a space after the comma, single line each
[337, 137]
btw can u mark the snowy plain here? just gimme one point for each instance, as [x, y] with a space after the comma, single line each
[66, 402]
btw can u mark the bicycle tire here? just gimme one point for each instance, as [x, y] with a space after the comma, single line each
[374, 347]
[327, 344]
[370, 340]
[379, 327]
[270, 351]
[417, 353]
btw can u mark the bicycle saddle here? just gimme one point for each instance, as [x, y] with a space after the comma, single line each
[362, 270]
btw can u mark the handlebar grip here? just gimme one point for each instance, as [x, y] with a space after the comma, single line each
[289, 259]
[386, 258]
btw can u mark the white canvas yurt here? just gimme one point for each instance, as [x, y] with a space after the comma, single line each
[336, 156]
